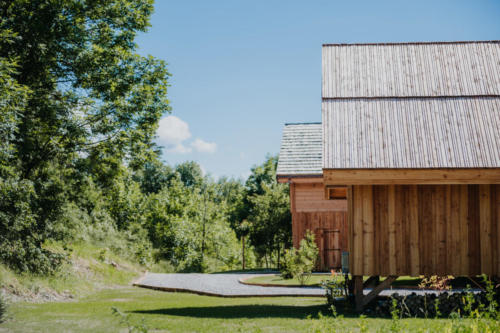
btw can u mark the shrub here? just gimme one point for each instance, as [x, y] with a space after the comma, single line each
[300, 263]
[432, 305]
[335, 288]
[436, 282]
[26, 222]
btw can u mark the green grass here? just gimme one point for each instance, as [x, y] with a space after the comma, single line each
[314, 280]
[180, 312]
[89, 269]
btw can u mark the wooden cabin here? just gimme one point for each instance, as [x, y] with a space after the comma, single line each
[300, 165]
[413, 131]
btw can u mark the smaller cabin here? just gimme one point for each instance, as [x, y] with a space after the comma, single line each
[300, 165]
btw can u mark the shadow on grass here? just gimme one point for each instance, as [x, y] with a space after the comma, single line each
[241, 311]
[250, 271]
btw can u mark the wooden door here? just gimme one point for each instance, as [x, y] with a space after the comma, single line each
[330, 252]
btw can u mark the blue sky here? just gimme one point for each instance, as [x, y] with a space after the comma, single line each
[241, 69]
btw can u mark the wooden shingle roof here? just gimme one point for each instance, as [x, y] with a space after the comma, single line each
[414, 105]
[301, 148]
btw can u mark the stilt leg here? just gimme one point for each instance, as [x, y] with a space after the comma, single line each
[358, 292]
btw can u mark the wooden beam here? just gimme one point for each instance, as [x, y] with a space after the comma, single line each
[485, 229]
[410, 176]
[335, 192]
[350, 218]
[292, 198]
[375, 291]
[358, 291]
[373, 280]
[300, 179]
[414, 232]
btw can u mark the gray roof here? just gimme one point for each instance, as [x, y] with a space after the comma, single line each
[414, 105]
[411, 69]
[413, 133]
[300, 153]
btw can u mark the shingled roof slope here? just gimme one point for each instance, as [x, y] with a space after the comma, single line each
[411, 70]
[301, 148]
[415, 105]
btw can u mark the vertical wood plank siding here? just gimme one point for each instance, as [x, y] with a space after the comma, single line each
[327, 219]
[424, 229]
[330, 230]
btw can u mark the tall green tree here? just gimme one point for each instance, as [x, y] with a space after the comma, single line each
[270, 221]
[261, 211]
[90, 104]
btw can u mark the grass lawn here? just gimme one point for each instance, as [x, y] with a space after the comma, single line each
[181, 312]
[315, 280]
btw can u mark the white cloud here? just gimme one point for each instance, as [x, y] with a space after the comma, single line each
[173, 133]
[204, 146]
[180, 149]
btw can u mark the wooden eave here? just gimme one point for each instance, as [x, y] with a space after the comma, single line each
[333, 177]
[302, 179]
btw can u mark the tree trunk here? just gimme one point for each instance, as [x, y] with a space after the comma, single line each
[204, 220]
[279, 248]
[243, 251]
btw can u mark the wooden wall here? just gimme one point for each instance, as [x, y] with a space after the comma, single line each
[327, 219]
[424, 229]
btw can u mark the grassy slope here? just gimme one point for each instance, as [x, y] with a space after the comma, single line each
[179, 312]
[89, 269]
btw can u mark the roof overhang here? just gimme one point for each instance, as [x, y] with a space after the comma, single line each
[299, 179]
[333, 177]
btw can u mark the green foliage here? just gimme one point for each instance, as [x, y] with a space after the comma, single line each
[79, 109]
[300, 263]
[188, 225]
[76, 103]
[265, 206]
[22, 231]
[335, 287]
[153, 177]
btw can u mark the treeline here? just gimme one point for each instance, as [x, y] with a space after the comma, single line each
[79, 109]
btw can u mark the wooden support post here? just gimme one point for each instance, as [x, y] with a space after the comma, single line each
[375, 291]
[358, 291]
[361, 299]
[372, 281]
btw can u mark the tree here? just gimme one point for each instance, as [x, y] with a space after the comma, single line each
[190, 173]
[270, 220]
[264, 174]
[154, 176]
[93, 107]
[265, 204]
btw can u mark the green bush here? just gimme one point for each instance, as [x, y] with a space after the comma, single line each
[335, 288]
[300, 263]
[23, 230]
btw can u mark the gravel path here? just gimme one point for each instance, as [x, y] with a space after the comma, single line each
[228, 285]
[225, 285]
